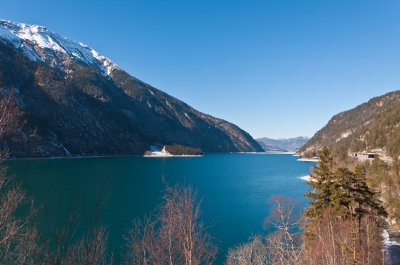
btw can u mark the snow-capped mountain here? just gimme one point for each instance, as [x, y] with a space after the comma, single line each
[75, 102]
[291, 144]
[28, 38]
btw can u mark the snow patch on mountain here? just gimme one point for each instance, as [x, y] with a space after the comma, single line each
[282, 143]
[26, 37]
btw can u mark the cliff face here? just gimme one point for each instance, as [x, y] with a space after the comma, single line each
[75, 102]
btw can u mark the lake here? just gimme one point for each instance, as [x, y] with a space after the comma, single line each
[234, 188]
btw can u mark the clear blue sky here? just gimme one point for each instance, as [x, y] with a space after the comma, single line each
[275, 68]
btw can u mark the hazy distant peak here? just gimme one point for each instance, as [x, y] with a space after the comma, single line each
[282, 143]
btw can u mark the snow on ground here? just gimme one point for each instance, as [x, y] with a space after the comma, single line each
[386, 240]
[308, 178]
[159, 154]
[307, 159]
[24, 36]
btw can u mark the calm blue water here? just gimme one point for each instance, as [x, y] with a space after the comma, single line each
[235, 187]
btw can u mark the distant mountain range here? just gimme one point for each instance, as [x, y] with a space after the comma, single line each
[291, 144]
[371, 125]
[74, 102]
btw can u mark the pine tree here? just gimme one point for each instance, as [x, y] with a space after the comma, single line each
[346, 196]
[341, 197]
[346, 192]
[363, 197]
[322, 177]
[378, 172]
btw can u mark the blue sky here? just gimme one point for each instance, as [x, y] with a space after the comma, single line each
[277, 69]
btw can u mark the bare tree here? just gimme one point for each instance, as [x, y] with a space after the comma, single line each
[175, 235]
[331, 241]
[254, 252]
[24, 240]
[16, 234]
[334, 241]
[61, 241]
[144, 246]
[323, 247]
[181, 213]
[10, 115]
[283, 246]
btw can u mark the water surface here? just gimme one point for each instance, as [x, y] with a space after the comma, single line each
[235, 188]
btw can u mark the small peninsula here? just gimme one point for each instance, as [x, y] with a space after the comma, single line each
[173, 150]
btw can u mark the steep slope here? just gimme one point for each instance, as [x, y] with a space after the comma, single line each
[75, 102]
[290, 144]
[381, 133]
[346, 126]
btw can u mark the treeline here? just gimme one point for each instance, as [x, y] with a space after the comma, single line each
[176, 149]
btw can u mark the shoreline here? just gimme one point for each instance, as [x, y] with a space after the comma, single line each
[308, 178]
[115, 156]
[307, 160]
[161, 154]
[83, 157]
[280, 152]
[66, 157]
[169, 155]
[264, 153]
[387, 241]
[172, 156]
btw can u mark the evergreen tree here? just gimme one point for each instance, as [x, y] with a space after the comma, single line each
[378, 171]
[352, 195]
[345, 195]
[346, 192]
[321, 179]
[362, 196]
[341, 197]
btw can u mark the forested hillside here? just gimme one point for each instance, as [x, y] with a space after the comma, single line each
[369, 127]
[382, 132]
[349, 128]
[74, 102]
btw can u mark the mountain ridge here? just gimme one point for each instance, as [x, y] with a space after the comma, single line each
[26, 36]
[340, 130]
[76, 102]
[290, 144]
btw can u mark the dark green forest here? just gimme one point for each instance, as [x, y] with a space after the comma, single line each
[176, 149]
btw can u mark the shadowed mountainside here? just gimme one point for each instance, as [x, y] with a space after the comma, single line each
[72, 104]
